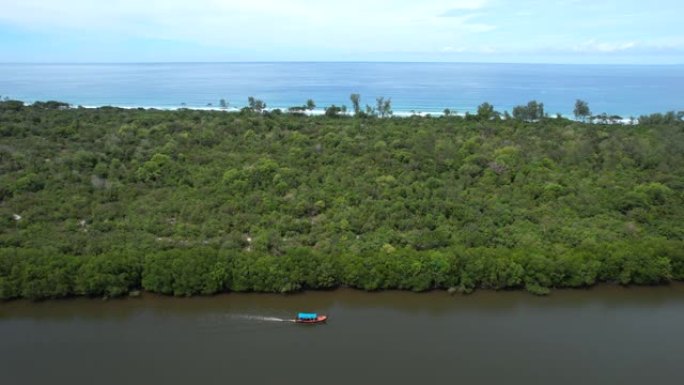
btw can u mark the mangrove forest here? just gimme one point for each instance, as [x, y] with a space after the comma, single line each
[108, 201]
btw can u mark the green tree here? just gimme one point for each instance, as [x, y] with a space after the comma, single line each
[581, 110]
[333, 111]
[356, 103]
[109, 275]
[11, 105]
[533, 111]
[384, 107]
[485, 111]
[256, 105]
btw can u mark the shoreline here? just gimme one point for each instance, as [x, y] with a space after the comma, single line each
[142, 294]
[321, 112]
[300, 110]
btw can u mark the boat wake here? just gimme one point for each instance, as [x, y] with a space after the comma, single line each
[260, 318]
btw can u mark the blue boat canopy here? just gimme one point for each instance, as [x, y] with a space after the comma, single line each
[307, 315]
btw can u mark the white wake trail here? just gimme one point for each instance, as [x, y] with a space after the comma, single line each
[260, 318]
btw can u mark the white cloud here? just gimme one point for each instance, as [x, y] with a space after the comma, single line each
[200, 14]
[457, 8]
[450, 49]
[313, 24]
[594, 46]
[333, 30]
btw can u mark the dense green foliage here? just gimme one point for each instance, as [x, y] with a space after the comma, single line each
[198, 202]
[531, 112]
[581, 110]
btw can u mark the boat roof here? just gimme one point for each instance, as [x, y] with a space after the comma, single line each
[307, 315]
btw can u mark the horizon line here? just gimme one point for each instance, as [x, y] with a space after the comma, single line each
[327, 62]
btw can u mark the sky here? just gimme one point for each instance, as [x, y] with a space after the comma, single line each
[519, 31]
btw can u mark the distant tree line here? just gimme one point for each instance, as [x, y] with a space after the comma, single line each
[532, 111]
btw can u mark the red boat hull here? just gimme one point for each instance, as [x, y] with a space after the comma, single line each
[317, 320]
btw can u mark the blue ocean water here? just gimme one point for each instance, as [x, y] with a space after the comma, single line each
[626, 90]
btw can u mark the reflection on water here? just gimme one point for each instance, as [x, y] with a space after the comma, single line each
[606, 334]
[284, 307]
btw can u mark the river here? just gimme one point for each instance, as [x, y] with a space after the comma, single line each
[605, 335]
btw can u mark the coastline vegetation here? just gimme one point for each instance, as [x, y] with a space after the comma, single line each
[105, 201]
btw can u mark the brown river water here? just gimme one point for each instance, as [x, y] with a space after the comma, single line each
[605, 335]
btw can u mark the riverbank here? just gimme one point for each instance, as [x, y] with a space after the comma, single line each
[285, 306]
[37, 274]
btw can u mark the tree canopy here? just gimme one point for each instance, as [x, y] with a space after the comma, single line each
[196, 202]
[582, 110]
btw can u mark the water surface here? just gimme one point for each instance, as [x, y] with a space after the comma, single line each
[625, 90]
[604, 335]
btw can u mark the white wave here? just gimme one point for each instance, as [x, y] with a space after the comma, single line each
[320, 112]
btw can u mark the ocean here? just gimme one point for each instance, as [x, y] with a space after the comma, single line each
[625, 90]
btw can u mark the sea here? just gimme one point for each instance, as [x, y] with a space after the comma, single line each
[426, 88]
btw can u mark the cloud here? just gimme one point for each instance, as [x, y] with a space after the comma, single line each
[481, 50]
[594, 46]
[124, 14]
[309, 24]
[457, 9]
[333, 30]
[450, 49]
